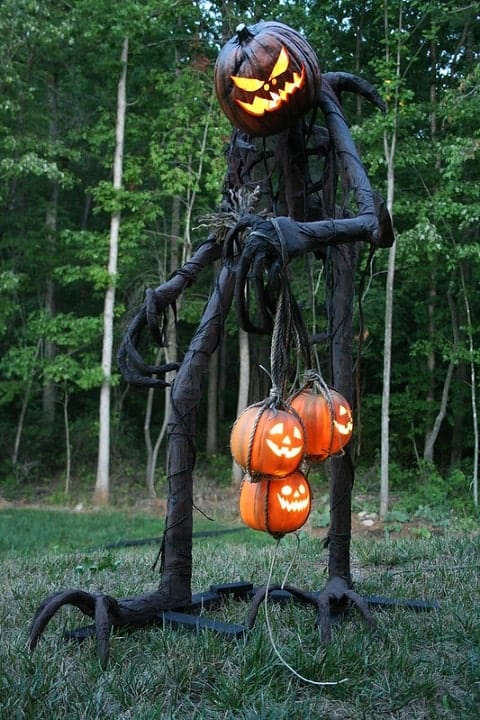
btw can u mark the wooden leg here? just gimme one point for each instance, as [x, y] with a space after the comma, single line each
[176, 551]
[341, 265]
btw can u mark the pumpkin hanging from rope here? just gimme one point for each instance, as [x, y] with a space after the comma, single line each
[266, 77]
[275, 505]
[267, 441]
[327, 419]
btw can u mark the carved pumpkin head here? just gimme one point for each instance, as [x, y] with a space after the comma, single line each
[267, 441]
[276, 505]
[327, 420]
[266, 78]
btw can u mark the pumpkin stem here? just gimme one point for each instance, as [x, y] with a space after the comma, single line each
[243, 33]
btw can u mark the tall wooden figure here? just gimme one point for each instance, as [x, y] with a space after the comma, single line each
[312, 194]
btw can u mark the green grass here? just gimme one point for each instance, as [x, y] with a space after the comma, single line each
[34, 531]
[417, 666]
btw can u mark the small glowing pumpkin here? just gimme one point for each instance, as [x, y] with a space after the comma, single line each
[267, 441]
[266, 77]
[276, 505]
[327, 420]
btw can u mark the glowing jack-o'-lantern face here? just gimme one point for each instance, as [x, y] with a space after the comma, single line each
[283, 444]
[267, 441]
[276, 91]
[277, 506]
[293, 498]
[327, 420]
[266, 78]
[343, 420]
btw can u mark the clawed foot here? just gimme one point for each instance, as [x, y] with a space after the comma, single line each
[139, 611]
[330, 603]
[335, 599]
[107, 612]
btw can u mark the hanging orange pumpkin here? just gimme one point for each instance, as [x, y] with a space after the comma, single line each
[276, 505]
[327, 420]
[266, 77]
[267, 441]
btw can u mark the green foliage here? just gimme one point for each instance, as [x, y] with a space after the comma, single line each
[218, 467]
[397, 516]
[428, 494]
[89, 565]
[60, 66]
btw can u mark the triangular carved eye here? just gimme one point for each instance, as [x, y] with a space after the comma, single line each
[248, 84]
[281, 65]
[253, 84]
[277, 429]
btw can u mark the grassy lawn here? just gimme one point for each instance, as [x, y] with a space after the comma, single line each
[419, 665]
[36, 531]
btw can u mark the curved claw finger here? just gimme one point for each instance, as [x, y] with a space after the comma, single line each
[82, 600]
[130, 362]
[103, 626]
[233, 237]
[241, 287]
[324, 620]
[152, 317]
[363, 607]
[255, 603]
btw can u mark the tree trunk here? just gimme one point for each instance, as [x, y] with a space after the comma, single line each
[243, 388]
[432, 435]
[152, 448]
[68, 446]
[431, 365]
[23, 409]
[459, 410]
[473, 392]
[389, 151]
[49, 394]
[102, 486]
[150, 471]
[387, 368]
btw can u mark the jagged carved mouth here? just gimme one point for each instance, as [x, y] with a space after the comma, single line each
[276, 96]
[292, 505]
[283, 450]
[293, 499]
[346, 427]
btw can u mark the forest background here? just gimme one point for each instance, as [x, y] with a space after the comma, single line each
[61, 63]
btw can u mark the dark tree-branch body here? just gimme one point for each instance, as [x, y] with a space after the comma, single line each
[295, 176]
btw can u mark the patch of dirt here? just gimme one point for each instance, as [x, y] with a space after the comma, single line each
[367, 524]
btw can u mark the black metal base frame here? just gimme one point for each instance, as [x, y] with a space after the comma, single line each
[190, 617]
